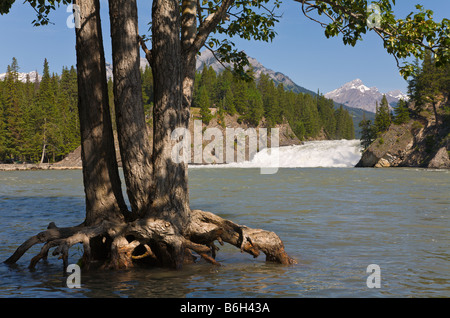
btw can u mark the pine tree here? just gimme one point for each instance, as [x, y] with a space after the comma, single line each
[429, 85]
[382, 116]
[401, 113]
[147, 91]
[255, 106]
[13, 112]
[44, 110]
[240, 94]
[27, 107]
[270, 99]
[367, 132]
[208, 80]
[228, 102]
[204, 104]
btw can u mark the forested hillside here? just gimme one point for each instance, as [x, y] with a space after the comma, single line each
[309, 116]
[39, 119]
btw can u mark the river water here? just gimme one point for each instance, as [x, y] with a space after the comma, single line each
[335, 220]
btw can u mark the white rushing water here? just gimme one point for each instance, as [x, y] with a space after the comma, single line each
[327, 153]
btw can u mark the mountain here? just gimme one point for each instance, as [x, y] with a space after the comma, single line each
[357, 95]
[23, 76]
[208, 59]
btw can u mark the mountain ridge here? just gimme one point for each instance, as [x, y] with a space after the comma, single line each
[357, 95]
[208, 59]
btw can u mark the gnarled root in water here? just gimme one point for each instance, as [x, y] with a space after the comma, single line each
[154, 241]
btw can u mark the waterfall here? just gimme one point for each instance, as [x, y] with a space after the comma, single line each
[327, 153]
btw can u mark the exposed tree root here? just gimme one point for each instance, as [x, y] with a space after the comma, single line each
[155, 241]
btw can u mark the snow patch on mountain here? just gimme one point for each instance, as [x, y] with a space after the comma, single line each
[23, 76]
[357, 95]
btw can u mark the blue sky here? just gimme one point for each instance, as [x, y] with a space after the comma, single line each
[300, 50]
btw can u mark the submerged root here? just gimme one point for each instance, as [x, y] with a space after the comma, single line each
[207, 227]
[154, 241]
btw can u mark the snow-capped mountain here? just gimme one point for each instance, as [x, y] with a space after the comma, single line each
[357, 95]
[23, 76]
[208, 59]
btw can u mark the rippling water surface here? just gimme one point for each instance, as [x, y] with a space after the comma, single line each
[334, 221]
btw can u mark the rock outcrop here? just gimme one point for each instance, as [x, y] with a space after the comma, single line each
[418, 143]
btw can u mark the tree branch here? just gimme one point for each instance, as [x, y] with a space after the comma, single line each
[209, 24]
[385, 33]
[217, 58]
[148, 53]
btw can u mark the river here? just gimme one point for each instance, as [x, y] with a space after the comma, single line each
[335, 220]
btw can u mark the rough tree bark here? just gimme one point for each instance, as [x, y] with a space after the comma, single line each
[104, 199]
[135, 148]
[170, 178]
[164, 231]
[102, 185]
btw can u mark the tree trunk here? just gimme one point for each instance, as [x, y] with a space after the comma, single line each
[134, 142]
[170, 178]
[436, 116]
[168, 232]
[43, 153]
[104, 199]
[188, 33]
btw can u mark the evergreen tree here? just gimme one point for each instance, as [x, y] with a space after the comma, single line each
[45, 108]
[228, 102]
[208, 80]
[13, 112]
[430, 85]
[255, 106]
[368, 133]
[147, 91]
[326, 113]
[401, 113]
[269, 98]
[240, 94]
[382, 116]
[27, 106]
[204, 104]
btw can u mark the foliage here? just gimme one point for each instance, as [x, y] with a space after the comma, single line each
[430, 84]
[368, 133]
[38, 119]
[250, 20]
[401, 113]
[382, 116]
[411, 36]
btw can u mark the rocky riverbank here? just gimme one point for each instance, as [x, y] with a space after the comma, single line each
[421, 142]
[31, 166]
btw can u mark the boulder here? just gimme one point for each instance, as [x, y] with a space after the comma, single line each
[440, 160]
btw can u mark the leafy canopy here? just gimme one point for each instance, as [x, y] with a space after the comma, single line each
[409, 37]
